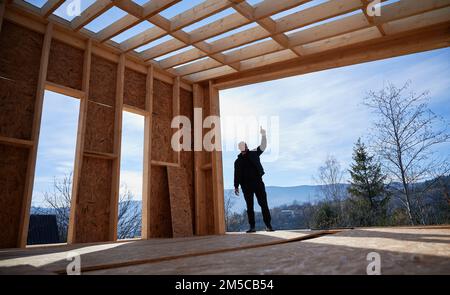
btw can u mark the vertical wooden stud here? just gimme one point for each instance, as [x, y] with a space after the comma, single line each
[217, 169]
[115, 187]
[200, 206]
[176, 109]
[147, 169]
[29, 182]
[80, 141]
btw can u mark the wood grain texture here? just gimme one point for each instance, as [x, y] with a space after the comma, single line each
[93, 202]
[180, 203]
[103, 81]
[160, 215]
[99, 128]
[187, 157]
[13, 169]
[20, 55]
[65, 65]
[134, 89]
[162, 117]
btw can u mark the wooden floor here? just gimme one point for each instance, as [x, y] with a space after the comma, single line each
[403, 250]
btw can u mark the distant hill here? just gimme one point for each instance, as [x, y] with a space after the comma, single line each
[278, 195]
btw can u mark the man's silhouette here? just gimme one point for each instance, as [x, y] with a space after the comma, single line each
[248, 173]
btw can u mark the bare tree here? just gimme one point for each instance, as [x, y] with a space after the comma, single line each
[405, 137]
[330, 177]
[58, 200]
[230, 200]
[129, 217]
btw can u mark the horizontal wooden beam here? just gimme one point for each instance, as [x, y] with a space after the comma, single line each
[64, 90]
[16, 142]
[385, 47]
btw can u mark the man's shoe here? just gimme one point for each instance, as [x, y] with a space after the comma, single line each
[251, 230]
[269, 228]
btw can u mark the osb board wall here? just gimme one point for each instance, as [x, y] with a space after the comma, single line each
[187, 157]
[134, 89]
[160, 213]
[162, 117]
[65, 65]
[13, 168]
[207, 158]
[179, 202]
[102, 87]
[99, 128]
[209, 202]
[93, 202]
[20, 55]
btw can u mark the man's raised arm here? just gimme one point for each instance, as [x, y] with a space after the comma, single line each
[263, 144]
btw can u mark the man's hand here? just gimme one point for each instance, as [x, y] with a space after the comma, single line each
[263, 131]
[236, 191]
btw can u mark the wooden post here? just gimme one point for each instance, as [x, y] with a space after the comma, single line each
[147, 178]
[80, 141]
[115, 187]
[2, 12]
[176, 110]
[25, 213]
[217, 169]
[200, 206]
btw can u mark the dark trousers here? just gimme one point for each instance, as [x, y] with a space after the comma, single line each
[257, 188]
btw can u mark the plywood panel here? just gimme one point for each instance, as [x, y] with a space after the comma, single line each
[162, 117]
[99, 128]
[103, 81]
[180, 203]
[209, 202]
[160, 216]
[65, 65]
[134, 89]
[187, 157]
[20, 54]
[13, 169]
[93, 202]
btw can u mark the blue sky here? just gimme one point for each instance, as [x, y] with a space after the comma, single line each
[319, 114]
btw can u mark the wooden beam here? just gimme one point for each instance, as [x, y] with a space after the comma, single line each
[90, 13]
[115, 187]
[64, 90]
[50, 6]
[325, 31]
[218, 27]
[71, 233]
[267, 23]
[16, 142]
[386, 47]
[136, 15]
[147, 169]
[370, 18]
[2, 12]
[217, 167]
[29, 182]
[130, 7]
[199, 177]
[199, 12]
[176, 109]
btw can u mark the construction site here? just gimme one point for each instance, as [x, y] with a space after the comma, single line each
[183, 211]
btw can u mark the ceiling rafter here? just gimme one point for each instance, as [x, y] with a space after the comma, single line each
[298, 35]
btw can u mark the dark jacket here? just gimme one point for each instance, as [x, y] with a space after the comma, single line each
[248, 168]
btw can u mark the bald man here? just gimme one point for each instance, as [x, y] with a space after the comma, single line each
[248, 173]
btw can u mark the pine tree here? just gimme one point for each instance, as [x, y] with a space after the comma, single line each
[367, 187]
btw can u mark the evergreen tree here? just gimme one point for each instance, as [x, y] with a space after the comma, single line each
[369, 198]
